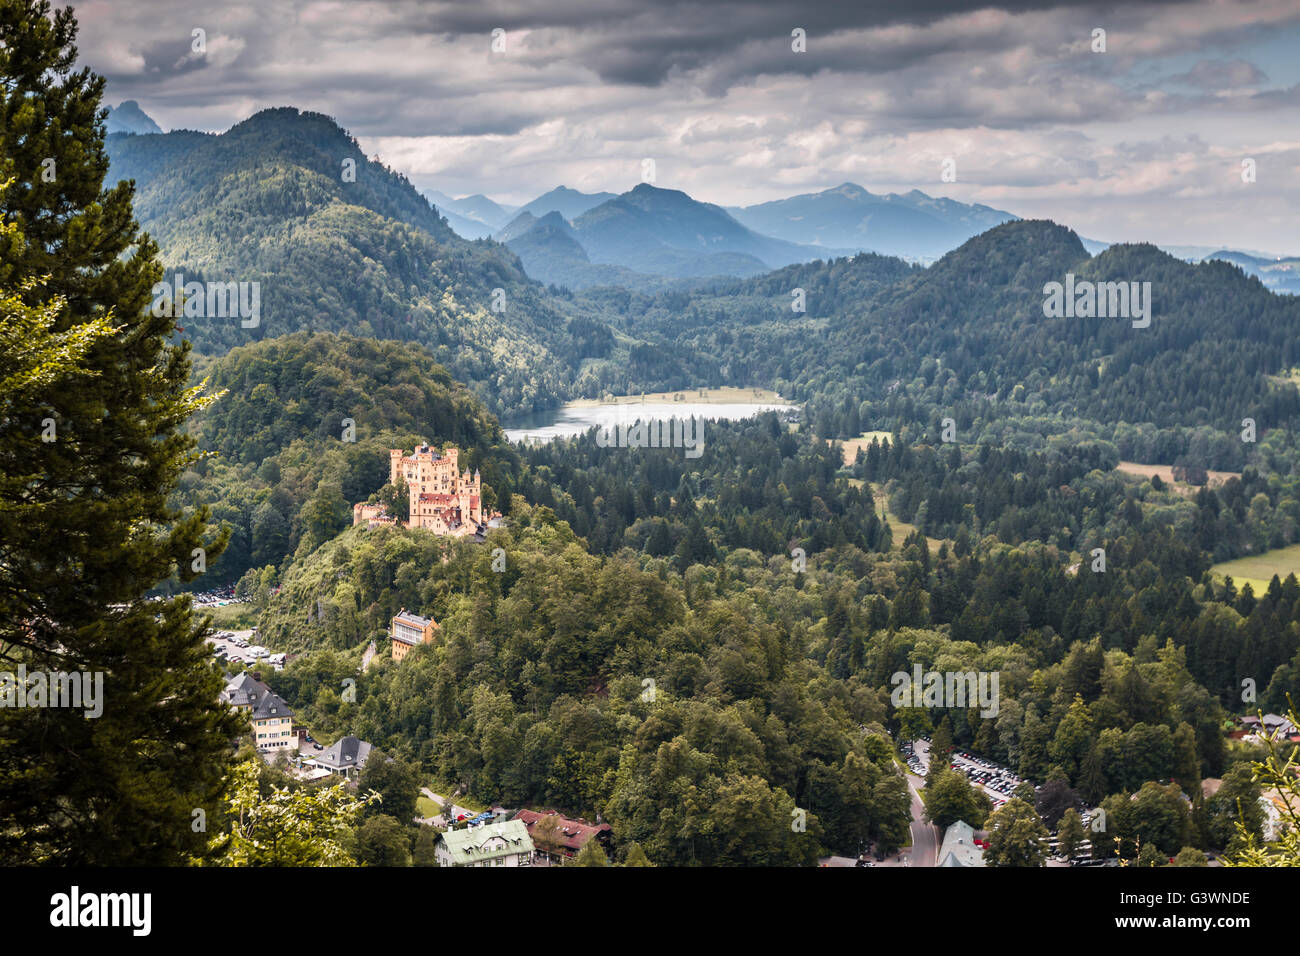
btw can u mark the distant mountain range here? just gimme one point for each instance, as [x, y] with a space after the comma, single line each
[646, 231]
[477, 217]
[651, 233]
[467, 227]
[1281, 274]
[911, 225]
[648, 234]
[648, 238]
[569, 203]
[551, 252]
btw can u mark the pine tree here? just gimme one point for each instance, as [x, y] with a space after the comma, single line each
[591, 854]
[425, 851]
[1070, 834]
[1092, 776]
[940, 747]
[89, 456]
[636, 857]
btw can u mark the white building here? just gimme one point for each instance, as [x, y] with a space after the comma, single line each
[505, 843]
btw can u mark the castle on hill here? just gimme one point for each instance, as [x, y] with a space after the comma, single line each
[442, 499]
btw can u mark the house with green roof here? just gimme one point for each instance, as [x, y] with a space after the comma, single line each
[503, 843]
[959, 847]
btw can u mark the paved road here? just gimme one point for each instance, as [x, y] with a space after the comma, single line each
[925, 836]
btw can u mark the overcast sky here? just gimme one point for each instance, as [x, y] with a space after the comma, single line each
[1142, 142]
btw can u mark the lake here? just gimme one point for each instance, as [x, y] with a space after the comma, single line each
[577, 417]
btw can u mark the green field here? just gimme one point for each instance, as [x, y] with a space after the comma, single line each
[1259, 569]
[851, 445]
[900, 528]
[425, 807]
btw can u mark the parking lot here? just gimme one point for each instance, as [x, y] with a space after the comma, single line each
[217, 597]
[242, 647]
[997, 781]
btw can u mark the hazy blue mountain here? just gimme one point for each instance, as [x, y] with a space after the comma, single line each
[464, 226]
[551, 253]
[439, 199]
[482, 209]
[569, 203]
[525, 221]
[666, 232]
[467, 227]
[1279, 274]
[911, 224]
[127, 117]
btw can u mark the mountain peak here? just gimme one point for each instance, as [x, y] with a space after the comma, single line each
[848, 217]
[554, 219]
[128, 117]
[569, 203]
[649, 192]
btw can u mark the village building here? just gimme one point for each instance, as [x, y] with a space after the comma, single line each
[506, 843]
[567, 839]
[270, 718]
[344, 758]
[1273, 726]
[407, 630]
[959, 847]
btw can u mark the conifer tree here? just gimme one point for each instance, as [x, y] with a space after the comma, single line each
[90, 449]
[590, 855]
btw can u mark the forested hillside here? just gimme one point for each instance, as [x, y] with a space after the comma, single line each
[302, 432]
[339, 247]
[867, 342]
[968, 339]
[770, 675]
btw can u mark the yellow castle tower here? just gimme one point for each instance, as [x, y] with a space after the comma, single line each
[442, 499]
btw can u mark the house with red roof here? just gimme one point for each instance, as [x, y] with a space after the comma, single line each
[568, 836]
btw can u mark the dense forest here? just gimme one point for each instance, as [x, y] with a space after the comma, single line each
[771, 674]
[301, 429]
[883, 345]
[767, 592]
[340, 243]
[698, 650]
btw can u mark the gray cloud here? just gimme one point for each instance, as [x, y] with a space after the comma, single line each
[713, 92]
[1221, 74]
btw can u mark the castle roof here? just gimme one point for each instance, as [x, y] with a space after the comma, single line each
[438, 497]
